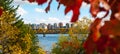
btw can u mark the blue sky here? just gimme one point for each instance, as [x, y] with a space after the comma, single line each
[33, 13]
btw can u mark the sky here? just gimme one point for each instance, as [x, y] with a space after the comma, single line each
[34, 14]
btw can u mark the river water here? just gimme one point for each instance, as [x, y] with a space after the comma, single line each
[49, 39]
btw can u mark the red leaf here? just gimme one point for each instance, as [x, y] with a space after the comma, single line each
[1, 11]
[87, 1]
[119, 7]
[94, 29]
[115, 45]
[48, 7]
[75, 10]
[106, 6]
[111, 27]
[31, 1]
[67, 9]
[114, 42]
[94, 9]
[75, 14]
[67, 2]
[73, 5]
[40, 2]
[110, 37]
[109, 44]
[58, 6]
[90, 43]
[102, 43]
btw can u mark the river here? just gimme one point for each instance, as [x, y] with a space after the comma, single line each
[47, 41]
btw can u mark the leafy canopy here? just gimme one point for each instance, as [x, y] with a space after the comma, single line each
[104, 39]
[15, 36]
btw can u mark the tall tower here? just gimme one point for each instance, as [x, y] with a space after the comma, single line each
[49, 26]
[67, 25]
[55, 25]
[60, 25]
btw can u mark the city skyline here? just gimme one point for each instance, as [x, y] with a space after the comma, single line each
[50, 26]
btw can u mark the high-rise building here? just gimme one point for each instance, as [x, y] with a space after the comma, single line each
[55, 25]
[52, 27]
[49, 26]
[37, 26]
[42, 25]
[67, 25]
[60, 25]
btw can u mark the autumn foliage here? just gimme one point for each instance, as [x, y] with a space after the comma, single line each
[104, 39]
[72, 44]
[1, 11]
[15, 36]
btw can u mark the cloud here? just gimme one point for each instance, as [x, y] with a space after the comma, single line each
[57, 20]
[27, 21]
[84, 5]
[51, 20]
[39, 10]
[20, 2]
[21, 11]
[68, 17]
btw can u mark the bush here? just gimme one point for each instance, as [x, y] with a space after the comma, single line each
[73, 44]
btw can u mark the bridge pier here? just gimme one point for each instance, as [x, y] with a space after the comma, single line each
[43, 34]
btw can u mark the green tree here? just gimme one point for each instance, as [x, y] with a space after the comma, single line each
[15, 36]
[82, 26]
